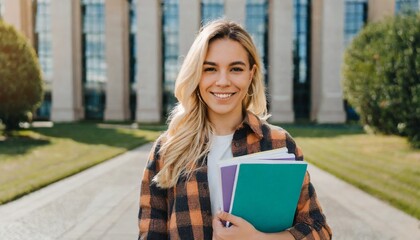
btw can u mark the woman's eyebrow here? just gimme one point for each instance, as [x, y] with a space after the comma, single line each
[230, 64]
[209, 63]
[237, 63]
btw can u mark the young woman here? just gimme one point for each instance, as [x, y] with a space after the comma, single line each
[221, 113]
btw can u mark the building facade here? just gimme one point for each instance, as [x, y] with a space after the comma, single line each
[118, 59]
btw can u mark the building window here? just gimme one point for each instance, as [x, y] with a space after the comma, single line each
[256, 25]
[355, 18]
[211, 9]
[170, 52]
[301, 57]
[133, 58]
[44, 50]
[406, 6]
[94, 65]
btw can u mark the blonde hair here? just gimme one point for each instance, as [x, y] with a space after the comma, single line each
[188, 135]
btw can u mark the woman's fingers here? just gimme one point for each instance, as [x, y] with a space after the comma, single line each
[241, 229]
[227, 217]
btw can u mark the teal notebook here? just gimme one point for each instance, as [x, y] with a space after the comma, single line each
[266, 193]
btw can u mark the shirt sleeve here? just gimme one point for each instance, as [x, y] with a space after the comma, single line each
[309, 222]
[153, 201]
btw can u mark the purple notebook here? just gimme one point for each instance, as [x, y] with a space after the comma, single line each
[228, 179]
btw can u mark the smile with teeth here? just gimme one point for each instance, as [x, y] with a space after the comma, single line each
[223, 95]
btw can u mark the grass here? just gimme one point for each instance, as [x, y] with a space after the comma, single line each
[35, 158]
[384, 166]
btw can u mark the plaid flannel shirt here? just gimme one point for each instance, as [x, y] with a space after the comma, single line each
[184, 212]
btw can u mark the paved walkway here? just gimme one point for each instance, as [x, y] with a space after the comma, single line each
[102, 203]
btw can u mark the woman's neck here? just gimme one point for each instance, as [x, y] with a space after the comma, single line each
[225, 125]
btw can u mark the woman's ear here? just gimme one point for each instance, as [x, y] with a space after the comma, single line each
[254, 67]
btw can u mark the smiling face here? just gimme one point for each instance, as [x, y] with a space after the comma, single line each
[226, 78]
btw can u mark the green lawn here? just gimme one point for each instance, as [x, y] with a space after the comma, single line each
[384, 166]
[41, 156]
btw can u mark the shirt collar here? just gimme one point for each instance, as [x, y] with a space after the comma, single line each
[253, 122]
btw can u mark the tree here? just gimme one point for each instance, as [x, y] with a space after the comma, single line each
[382, 76]
[21, 85]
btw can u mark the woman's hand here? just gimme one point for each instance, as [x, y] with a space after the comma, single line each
[240, 229]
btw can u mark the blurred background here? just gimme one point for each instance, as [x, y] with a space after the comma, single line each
[118, 59]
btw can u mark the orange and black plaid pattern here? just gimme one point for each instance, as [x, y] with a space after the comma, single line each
[184, 212]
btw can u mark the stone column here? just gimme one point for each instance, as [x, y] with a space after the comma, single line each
[189, 24]
[326, 59]
[20, 13]
[280, 60]
[379, 9]
[67, 103]
[236, 10]
[117, 59]
[149, 58]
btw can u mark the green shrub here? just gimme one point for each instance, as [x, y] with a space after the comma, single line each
[382, 76]
[21, 85]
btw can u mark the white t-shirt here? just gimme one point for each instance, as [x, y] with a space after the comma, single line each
[220, 149]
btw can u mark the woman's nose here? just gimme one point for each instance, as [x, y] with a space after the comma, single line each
[223, 80]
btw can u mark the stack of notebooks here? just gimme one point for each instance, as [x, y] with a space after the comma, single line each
[262, 188]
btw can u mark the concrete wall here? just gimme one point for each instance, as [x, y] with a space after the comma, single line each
[280, 56]
[20, 14]
[67, 100]
[379, 9]
[149, 58]
[326, 58]
[117, 59]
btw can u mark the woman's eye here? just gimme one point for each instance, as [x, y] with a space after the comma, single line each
[237, 69]
[209, 69]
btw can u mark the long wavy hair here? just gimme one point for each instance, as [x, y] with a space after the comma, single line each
[187, 140]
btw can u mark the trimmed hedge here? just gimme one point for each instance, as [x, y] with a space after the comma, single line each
[21, 85]
[382, 76]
